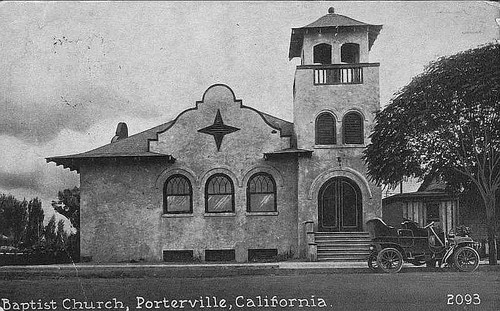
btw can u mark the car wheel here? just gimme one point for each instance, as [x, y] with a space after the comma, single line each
[466, 259]
[372, 261]
[390, 260]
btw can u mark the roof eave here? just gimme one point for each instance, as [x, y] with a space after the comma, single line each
[73, 162]
[288, 152]
[296, 41]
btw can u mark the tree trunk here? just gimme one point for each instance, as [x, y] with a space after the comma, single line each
[492, 227]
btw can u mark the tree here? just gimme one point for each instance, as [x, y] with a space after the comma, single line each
[22, 221]
[12, 218]
[61, 237]
[50, 233]
[69, 206]
[445, 122]
[34, 223]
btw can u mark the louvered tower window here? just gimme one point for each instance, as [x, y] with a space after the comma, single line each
[353, 128]
[219, 194]
[325, 129]
[177, 195]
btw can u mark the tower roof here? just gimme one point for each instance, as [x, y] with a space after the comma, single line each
[327, 23]
[335, 20]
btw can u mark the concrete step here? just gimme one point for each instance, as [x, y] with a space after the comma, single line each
[322, 251]
[342, 246]
[324, 237]
[347, 248]
[345, 258]
[342, 241]
[343, 234]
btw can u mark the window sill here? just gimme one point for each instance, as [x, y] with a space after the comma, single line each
[176, 215]
[339, 146]
[231, 214]
[262, 213]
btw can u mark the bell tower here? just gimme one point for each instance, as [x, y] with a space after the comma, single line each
[336, 96]
[334, 76]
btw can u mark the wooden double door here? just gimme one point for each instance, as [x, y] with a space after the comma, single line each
[340, 206]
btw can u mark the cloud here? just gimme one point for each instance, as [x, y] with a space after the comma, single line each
[28, 180]
[63, 75]
[24, 172]
[39, 122]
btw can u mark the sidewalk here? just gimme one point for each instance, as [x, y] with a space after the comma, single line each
[141, 270]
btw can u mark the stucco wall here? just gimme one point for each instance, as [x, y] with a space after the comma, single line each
[122, 204]
[310, 100]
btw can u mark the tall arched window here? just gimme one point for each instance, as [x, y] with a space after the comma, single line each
[353, 128]
[177, 195]
[325, 129]
[322, 54]
[349, 53]
[219, 194]
[261, 193]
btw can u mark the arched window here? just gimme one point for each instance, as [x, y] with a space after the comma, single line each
[353, 128]
[349, 53]
[177, 195]
[219, 194]
[322, 54]
[325, 129]
[261, 193]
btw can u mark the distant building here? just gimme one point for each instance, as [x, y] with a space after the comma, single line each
[431, 203]
[224, 181]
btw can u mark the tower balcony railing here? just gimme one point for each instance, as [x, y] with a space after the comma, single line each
[329, 76]
[336, 74]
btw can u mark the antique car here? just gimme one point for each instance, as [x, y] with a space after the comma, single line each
[417, 245]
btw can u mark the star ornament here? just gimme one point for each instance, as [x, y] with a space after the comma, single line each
[218, 130]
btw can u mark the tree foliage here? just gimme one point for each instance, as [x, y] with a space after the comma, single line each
[69, 205]
[446, 121]
[21, 221]
[34, 222]
[21, 224]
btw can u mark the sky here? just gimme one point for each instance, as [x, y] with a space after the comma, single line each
[69, 72]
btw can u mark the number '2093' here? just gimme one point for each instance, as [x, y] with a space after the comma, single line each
[466, 299]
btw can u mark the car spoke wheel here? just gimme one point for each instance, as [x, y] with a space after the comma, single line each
[390, 260]
[372, 261]
[466, 259]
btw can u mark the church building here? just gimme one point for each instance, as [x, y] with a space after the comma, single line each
[226, 182]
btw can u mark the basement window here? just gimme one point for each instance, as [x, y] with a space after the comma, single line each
[220, 255]
[178, 256]
[262, 254]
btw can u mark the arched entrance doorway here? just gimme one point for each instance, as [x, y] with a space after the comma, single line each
[340, 206]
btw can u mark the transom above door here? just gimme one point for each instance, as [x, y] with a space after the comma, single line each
[340, 206]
